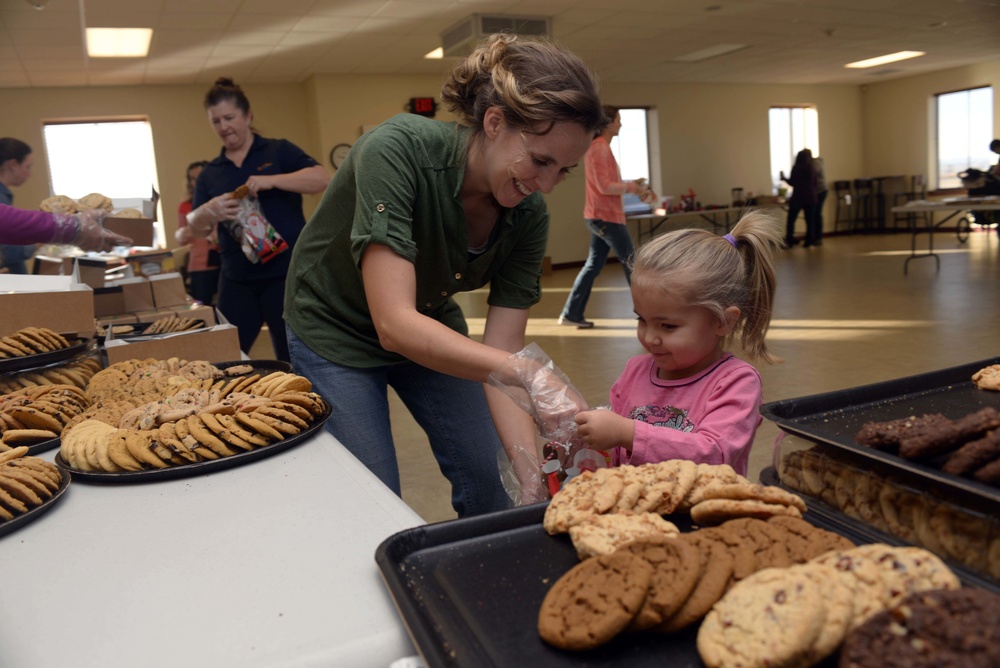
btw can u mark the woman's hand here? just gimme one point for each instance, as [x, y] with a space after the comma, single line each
[260, 183]
[602, 429]
[92, 235]
[202, 221]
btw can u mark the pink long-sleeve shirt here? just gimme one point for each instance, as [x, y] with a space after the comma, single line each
[604, 185]
[710, 418]
[20, 226]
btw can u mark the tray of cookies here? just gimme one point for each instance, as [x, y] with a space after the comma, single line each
[163, 419]
[913, 424]
[29, 487]
[37, 346]
[616, 570]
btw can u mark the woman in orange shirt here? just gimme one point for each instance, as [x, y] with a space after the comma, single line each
[604, 215]
[203, 256]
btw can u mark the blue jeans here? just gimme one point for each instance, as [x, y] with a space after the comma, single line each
[603, 236]
[452, 411]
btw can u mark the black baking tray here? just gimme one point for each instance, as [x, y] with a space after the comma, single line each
[33, 514]
[469, 592]
[26, 362]
[835, 520]
[834, 418]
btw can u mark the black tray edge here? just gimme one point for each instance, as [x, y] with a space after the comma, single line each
[11, 526]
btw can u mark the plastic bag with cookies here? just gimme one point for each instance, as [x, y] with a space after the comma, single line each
[258, 239]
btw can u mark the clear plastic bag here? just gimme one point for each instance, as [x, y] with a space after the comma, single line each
[258, 239]
[539, 388]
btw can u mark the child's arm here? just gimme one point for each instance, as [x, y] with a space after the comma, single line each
[602, 429]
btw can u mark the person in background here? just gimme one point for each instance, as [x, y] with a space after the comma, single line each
[995, 147]
[604, 216]
[278, 173]
[821, 192]
[804, 195]
[421, 210]
[84, 230]
[689, 398]
[15, 168]
[203, 254]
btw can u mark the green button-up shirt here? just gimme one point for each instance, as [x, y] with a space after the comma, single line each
[400, 186]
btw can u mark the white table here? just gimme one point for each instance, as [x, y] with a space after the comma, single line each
[719, 219]
[267, 564]
[953, 207]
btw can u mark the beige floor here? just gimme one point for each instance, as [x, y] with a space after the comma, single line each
[845, 315]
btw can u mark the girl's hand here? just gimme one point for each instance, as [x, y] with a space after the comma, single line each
[602, 429]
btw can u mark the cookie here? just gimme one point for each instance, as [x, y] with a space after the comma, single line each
[706, 475]
[865, 578]
[716, 574]
[939, 439]
[755, 545]
[603, 534]
[805, 541]
[886, 435]
[754, 492]
[838, 600]
[594, 601]
[717, 511]
[934, 629]
[987, 378]
[676, 569]
[772, 618]
[907, 570]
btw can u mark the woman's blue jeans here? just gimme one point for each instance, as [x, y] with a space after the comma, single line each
[604, 236]
[452, 411]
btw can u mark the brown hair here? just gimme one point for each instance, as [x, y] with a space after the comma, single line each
[531, 81]
[225, 89]
[15, 149]
[715, 273]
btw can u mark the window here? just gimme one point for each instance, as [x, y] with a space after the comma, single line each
[631, 149]
[791, 130]
[964, 132]
[114, 158]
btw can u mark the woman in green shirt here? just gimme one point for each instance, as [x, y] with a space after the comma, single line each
[420, 210]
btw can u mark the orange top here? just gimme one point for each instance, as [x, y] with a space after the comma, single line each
[604, 186]
[198, 255]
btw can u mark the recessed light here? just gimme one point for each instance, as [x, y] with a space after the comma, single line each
[118, 42]
[882, 60]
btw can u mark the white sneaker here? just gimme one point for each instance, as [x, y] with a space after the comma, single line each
[579, 324]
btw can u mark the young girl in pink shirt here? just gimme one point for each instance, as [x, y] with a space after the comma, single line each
[689, 398]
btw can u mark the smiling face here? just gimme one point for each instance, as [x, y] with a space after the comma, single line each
[516, 164]
[231, 124]
[683, 339]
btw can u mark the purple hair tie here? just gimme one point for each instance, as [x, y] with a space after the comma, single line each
[731, 239]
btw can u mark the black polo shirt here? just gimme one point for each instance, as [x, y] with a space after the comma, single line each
[282, 209]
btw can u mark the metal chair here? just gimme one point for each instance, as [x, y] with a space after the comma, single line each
[845, 213]
[917, 191]
[864, 204]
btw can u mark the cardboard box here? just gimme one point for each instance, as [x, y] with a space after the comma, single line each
[152, 262]
[93, 271]
[108, 301]
[139, 230]
[145, 205]
[198, 312]
[122, 319]
[138, 294]
[218, 344]
[56, 302]
[168, 290]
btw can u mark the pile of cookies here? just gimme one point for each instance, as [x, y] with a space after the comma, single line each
[799, 615]
[25, 482]
[37, 414]
[710, 493]
[31, 341]
[156, 414]
[968, 446]
[965, 535]
[76, 372]
[173, 323]
[987, 378]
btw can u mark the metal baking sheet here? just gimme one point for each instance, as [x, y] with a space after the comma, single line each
[835, 520]
[834, 418]
[469, 592]
[33, 514]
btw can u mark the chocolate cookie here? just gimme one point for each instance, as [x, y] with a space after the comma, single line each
[939, 629]
[756, 545]
[939, 439]
[716, 574]
[805, 541]
[594, 601]
[676, 569]
[886, 435]
[974, 454]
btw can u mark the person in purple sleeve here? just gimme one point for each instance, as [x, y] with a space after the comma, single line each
[689, 398]
[19, 226]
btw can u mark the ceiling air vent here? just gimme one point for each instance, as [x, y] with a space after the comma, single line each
[461, 38]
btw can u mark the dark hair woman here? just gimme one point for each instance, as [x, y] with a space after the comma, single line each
[15, 168]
